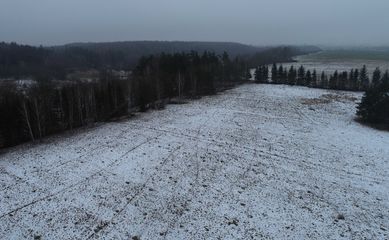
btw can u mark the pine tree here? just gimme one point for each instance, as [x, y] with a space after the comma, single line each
[364, 78]
[301, 76]
[343, 78]
[385, 81]
[292, 76]
[274, 73]
[314, 78]
[356, 80]
[265, 74]
[308, 78]
[350, 81]
[333, 83]
[323, 80]
[280, 75]
[376, 77]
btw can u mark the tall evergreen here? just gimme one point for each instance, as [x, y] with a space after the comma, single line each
[292, 76]
[376, 77]
[280, 75]
[385, 80]
[314, 78]
[308, 78]
[343, 80]
[301, 76]
[274, 74]
[333, 82]
[356, 80]
[323, 80]
[364, 79]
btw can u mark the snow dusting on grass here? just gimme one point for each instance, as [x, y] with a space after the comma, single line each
[255, 162]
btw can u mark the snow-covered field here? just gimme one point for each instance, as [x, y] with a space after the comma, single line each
[255, 162]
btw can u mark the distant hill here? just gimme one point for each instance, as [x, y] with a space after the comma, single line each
[141, 48]
[131, 51]
[22, 61]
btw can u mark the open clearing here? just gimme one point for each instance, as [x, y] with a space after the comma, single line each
[255, 162]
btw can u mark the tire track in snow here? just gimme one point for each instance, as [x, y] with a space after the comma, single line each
[75, 184]
[100, 228]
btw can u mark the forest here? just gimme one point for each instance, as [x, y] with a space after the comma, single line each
[42, 91]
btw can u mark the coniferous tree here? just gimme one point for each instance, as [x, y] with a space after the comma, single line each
[343, 79]
[265, 74]
[385, 80]
[274, 73]
[333, 80]
[301, 76]
[314, 78]
[356, 80]
[376, 77]
[292, 76]
[258, 74]
[364, 78]
[350, 81]
[308, 78]
[323, 80]
[280, 75]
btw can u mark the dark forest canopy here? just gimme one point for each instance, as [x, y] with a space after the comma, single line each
[21, 61]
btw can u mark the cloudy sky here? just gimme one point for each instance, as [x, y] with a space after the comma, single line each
[257, 22]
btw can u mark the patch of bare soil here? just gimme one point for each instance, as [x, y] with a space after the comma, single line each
[328, 98]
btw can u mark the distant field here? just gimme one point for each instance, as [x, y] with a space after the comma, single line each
[330, 55]
[344, 60]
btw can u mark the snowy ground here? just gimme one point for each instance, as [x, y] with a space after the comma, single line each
[255, 162]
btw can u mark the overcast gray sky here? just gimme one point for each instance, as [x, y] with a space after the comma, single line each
[257, 22]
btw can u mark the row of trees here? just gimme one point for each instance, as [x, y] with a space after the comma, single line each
[47, 107]
[374, 107]
[30, 113]
[186, 74]
[354, 80]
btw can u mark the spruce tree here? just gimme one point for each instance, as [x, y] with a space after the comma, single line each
[301, 76]
[376, 77]
[292, 76]
[308, 78]
[314, 78]
[280, 75]
[385, 81]
[265, 74]
[350, 81]
[333, 84]
[323, 80]
[364, 78]
[258, 74]
[356, 80]
[274, 73]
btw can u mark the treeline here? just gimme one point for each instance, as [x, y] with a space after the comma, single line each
[374, 107]
[46, 107]
[186, 74]
[22, 61]
[354, 80]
